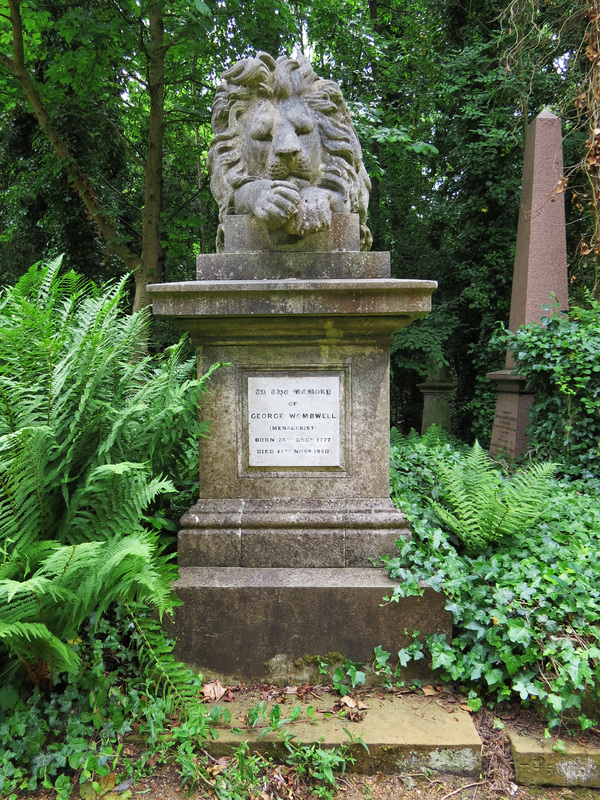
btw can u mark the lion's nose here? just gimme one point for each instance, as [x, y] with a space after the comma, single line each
[285, 141]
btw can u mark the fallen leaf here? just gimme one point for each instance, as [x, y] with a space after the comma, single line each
[124, 785]
[465, 707]
[348, 701]
[213, 690]
[363, 706]
[429, 691]
[291, 690]
[107, 782]
[87, 791]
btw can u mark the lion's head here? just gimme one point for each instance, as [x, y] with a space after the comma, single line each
[284, 148]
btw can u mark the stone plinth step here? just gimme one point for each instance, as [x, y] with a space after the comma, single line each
[271, 624]
[289, 532]
[538, 764]
[405, 733]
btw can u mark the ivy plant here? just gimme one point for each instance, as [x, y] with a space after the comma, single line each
[525, 609]
[561, 360]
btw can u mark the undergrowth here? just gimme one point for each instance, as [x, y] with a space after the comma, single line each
[525, 607]
[561, 360]
[98, 445]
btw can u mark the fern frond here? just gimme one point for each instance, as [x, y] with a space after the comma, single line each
[482, 507]
[30, 641]
[87, 429]
[177, 682]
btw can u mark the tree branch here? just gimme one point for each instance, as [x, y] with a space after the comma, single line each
[78, 178]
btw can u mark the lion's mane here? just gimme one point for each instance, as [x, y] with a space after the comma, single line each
[265, 77]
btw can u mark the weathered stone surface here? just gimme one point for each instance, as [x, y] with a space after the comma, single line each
[304, 518]
[293, 548]
[248, 235]
[541, 251]
[294, 485]
[363, 470]
[266, 547]
[364, 547]
[285, 151]
[403, 734]
[537, 764]
[331, 254]
[436, 404]
[295, 512]
[271, 266]
[359, 304]
[210, 547]
[279, 532]
[235, 621]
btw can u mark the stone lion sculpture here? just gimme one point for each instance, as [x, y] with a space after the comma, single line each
[284, 150]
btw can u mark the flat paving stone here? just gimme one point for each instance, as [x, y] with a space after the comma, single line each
[402, 733]
[537, 764]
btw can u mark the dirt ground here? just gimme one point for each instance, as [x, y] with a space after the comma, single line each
[496, 781]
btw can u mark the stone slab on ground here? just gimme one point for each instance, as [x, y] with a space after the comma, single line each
[403, 733]
[537, 764]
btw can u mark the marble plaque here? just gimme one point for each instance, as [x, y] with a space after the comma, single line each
[294, 421]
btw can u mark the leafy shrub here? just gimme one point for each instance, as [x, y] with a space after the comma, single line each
[561, 360]
[87, 426]
[525, 609]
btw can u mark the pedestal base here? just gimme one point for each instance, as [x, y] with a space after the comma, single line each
[273, 624]
[294, 504]
[512, 415]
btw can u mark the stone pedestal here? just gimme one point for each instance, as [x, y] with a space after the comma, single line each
[276, 555]
[512, 414]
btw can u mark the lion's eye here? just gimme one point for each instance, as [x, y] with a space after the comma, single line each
[262, 129]
[263, 135]
[304, 127]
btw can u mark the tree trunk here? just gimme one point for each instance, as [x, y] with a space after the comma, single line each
[592, 156]
[76, 176]
[151, 269]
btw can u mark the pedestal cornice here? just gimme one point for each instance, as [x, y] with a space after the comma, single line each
[326, 309]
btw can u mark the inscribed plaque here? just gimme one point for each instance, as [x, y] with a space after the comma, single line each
[294, 421]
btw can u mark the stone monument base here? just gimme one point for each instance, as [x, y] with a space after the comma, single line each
[275, 625]
[512, 415]
[276, 557]
[437, 397]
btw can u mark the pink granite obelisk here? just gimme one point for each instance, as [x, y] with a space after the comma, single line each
[540, 271]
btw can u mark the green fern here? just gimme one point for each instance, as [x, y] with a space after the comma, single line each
[481, 507]
[88, 429]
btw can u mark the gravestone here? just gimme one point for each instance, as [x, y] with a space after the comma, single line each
[540, 271]
[275, 558]
[437, 391]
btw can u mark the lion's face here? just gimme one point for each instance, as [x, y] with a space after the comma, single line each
[281, 141]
